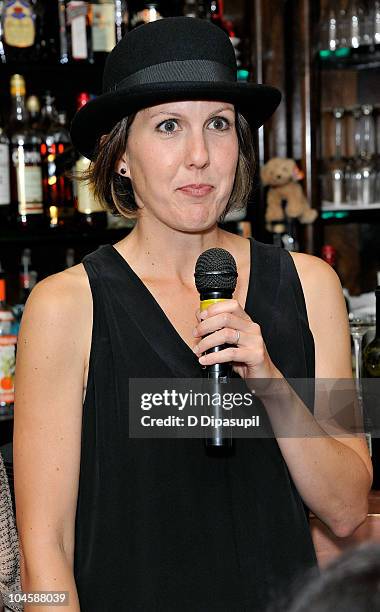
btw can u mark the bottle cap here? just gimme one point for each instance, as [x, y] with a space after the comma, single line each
[17, 85]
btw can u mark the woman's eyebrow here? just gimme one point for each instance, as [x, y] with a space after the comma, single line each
[174, 114]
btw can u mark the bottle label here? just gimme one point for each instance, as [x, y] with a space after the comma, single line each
[103, 27]
[77, 20]
[87, 203]
[7, 368]
[19, 28]
[29, 181]
[5, 194]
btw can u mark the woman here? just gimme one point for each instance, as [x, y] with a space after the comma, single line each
[147, 524]
[9, 552]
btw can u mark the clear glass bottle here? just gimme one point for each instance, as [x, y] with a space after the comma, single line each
[78, 24]
[57, 161]
[26, 173]
[63, 53]
[103, 28]
[367, 154]
[27, 280]
[91, 214]
[356, 23]
[332, 28]
[5, 187]
[334, 175]
[343, 29]
[376, 22]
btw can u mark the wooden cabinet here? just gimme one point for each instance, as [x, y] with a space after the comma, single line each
[285, 53]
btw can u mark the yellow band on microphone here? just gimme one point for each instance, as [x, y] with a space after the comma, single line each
[206, 303]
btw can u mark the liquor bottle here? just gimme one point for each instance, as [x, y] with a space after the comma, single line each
[5, 189]
[57, 160]
[371, 370]
[217, 17]
[26, 174]
[48, 31]
[63, 28]
[26, 261]
[190, 8]
[27, 280]
[7, 350]
[147, 13]
[121, 19]
[20, 23]
[69, 258]
[33, 107]
[90, 212]
[103, 28]
[79, 31]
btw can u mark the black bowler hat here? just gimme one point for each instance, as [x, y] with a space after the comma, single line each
[175, 58]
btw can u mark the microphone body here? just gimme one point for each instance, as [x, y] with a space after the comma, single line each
[215, 279]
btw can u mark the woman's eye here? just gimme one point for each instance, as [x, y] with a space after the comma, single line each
[221, 123]
[167, 127]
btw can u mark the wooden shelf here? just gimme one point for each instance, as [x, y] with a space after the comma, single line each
[363, 58]
[61, 236]
[330, 207]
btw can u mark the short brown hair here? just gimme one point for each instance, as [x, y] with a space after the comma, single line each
[116, 191]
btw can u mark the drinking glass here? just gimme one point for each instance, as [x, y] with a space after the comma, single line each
[358, 328]
[334, 173]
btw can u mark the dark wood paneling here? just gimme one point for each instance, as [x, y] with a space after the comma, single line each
[268, 57]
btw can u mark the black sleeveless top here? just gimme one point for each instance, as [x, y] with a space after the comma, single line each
[161, 526]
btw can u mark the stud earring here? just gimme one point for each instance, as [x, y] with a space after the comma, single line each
[123, 171]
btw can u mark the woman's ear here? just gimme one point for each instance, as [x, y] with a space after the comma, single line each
[122, 168]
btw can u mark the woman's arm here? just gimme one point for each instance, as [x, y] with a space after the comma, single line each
[333, 476]
[51, 358]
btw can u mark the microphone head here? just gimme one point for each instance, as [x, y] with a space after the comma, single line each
[215, 269]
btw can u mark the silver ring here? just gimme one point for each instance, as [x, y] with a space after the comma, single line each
[238, 337]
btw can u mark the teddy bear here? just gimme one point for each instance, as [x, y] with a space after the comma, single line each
[282, 174]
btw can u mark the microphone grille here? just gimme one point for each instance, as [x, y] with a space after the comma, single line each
[215, 269]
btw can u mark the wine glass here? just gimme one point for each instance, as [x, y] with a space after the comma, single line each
[358, 328]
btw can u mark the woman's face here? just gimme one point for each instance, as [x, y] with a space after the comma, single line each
[178, 144]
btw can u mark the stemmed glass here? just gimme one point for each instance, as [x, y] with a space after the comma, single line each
[358, 328]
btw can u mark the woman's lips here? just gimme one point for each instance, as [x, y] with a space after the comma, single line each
[196, 190]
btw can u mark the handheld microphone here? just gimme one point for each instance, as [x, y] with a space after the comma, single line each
[215, 279]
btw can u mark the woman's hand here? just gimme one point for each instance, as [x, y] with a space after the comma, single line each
[222, 321]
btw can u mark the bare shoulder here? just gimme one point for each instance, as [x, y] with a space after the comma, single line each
[327, 315]
[318, 279]
[60, 307]
[68, 290]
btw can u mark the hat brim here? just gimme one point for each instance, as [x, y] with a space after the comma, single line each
[256, 102]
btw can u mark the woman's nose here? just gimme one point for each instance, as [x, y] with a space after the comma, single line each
[197, 153]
